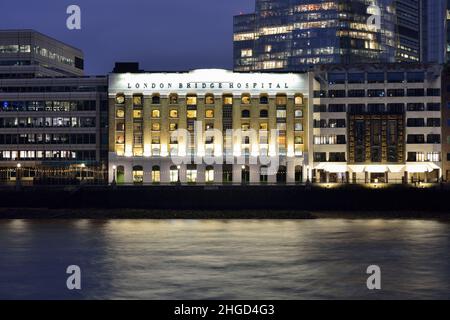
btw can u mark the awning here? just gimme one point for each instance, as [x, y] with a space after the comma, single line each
[357, 168]
[421, 167]
[332, 167]
[376, 168]
[396, 168]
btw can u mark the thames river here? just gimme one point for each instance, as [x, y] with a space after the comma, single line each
[217, 259]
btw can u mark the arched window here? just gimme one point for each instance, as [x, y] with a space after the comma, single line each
[173, 98]
[120, 174]
[298, 174]
[263, 113]
[138, 175]
[281, 174]
[120, 98]
[156, 174]
[263, 99]
[209, 174]
[156, 99]
[281, 100]
[245, 113]
[246, 99]
[209, 99]
[174, 175]
[245, 174]
[263, 177]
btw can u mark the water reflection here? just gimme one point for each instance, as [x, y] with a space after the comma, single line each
[213, 259]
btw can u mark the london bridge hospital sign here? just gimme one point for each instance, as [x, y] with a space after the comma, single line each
[208, 81]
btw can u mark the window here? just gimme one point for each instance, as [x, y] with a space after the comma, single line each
[137, 113]
[395, 107]
[138, 175]
[433, 138]
[320, 108]
[336, 93]
[433, 122]
[431, 92]
[156, 126]
[263, 99]
[376, 107]
[209, 99]
[395, 77]
[228, 100]
[336, 78]
[246, 99]
[281, 113]
[336, 108]
[120, 99]
[433, 106]
[415, 139]
[156, 113]
[298, 113]
[156, 99]
[414, 77]
[137, 100]
[173, 113]
[337, 157]
[298, 140]
[173, 98]
[415, 92]
[263, 126]
[298, 100]
[298, 126]
[415, 107]
[173, 174]
[375, 77]
[156, 174]
[209, 113]
[120, 113]
[281, 100]
[246, 53]
[415, 122]
[356, 78]
[191, 114]
[209, 174]
[173, 126]
[263, 113]
[245, 114]
[320, 157]
[375, 93]
[356, 93]
[191, 100]
[395, 92]
[336, 123]
[191, 174]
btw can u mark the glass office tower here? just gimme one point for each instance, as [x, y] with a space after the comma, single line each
[294, 34]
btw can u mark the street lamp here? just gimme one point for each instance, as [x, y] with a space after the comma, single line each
[243, 175]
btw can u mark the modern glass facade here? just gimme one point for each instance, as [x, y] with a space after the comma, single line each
[291, 35]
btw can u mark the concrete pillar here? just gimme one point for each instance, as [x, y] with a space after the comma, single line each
[290, 171]
[254, 174]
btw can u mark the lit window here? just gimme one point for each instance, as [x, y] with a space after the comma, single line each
[209, 174]
[173, 126]
[173, 99]
[156, 113]
[228, 100]
[268, 48]
[298, 126]
[173, 113]
[156, 174]
[298, 100]
[209, 99]
[191, 100]
[299, 113]
[173, 174]
[120, 99]
[281, 100]
[209, 113]
[137, 114]
[120, 113]
[281, 113]
[245, 53]
[120, 139]
[245, 99]
[191, 175]
[191, 114]
[245, 126]
[263, 126]
[138, 174]
[137, 100]
[156, 126]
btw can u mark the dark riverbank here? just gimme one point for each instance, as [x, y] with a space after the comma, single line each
[197, 202]
[45, 213]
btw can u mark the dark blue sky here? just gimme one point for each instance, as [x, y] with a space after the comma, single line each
[160, 34]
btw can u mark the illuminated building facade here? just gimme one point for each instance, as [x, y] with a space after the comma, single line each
[292, 35]
[377, 123]
[237, 120]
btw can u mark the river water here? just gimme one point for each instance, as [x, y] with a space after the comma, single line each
[216, 259]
